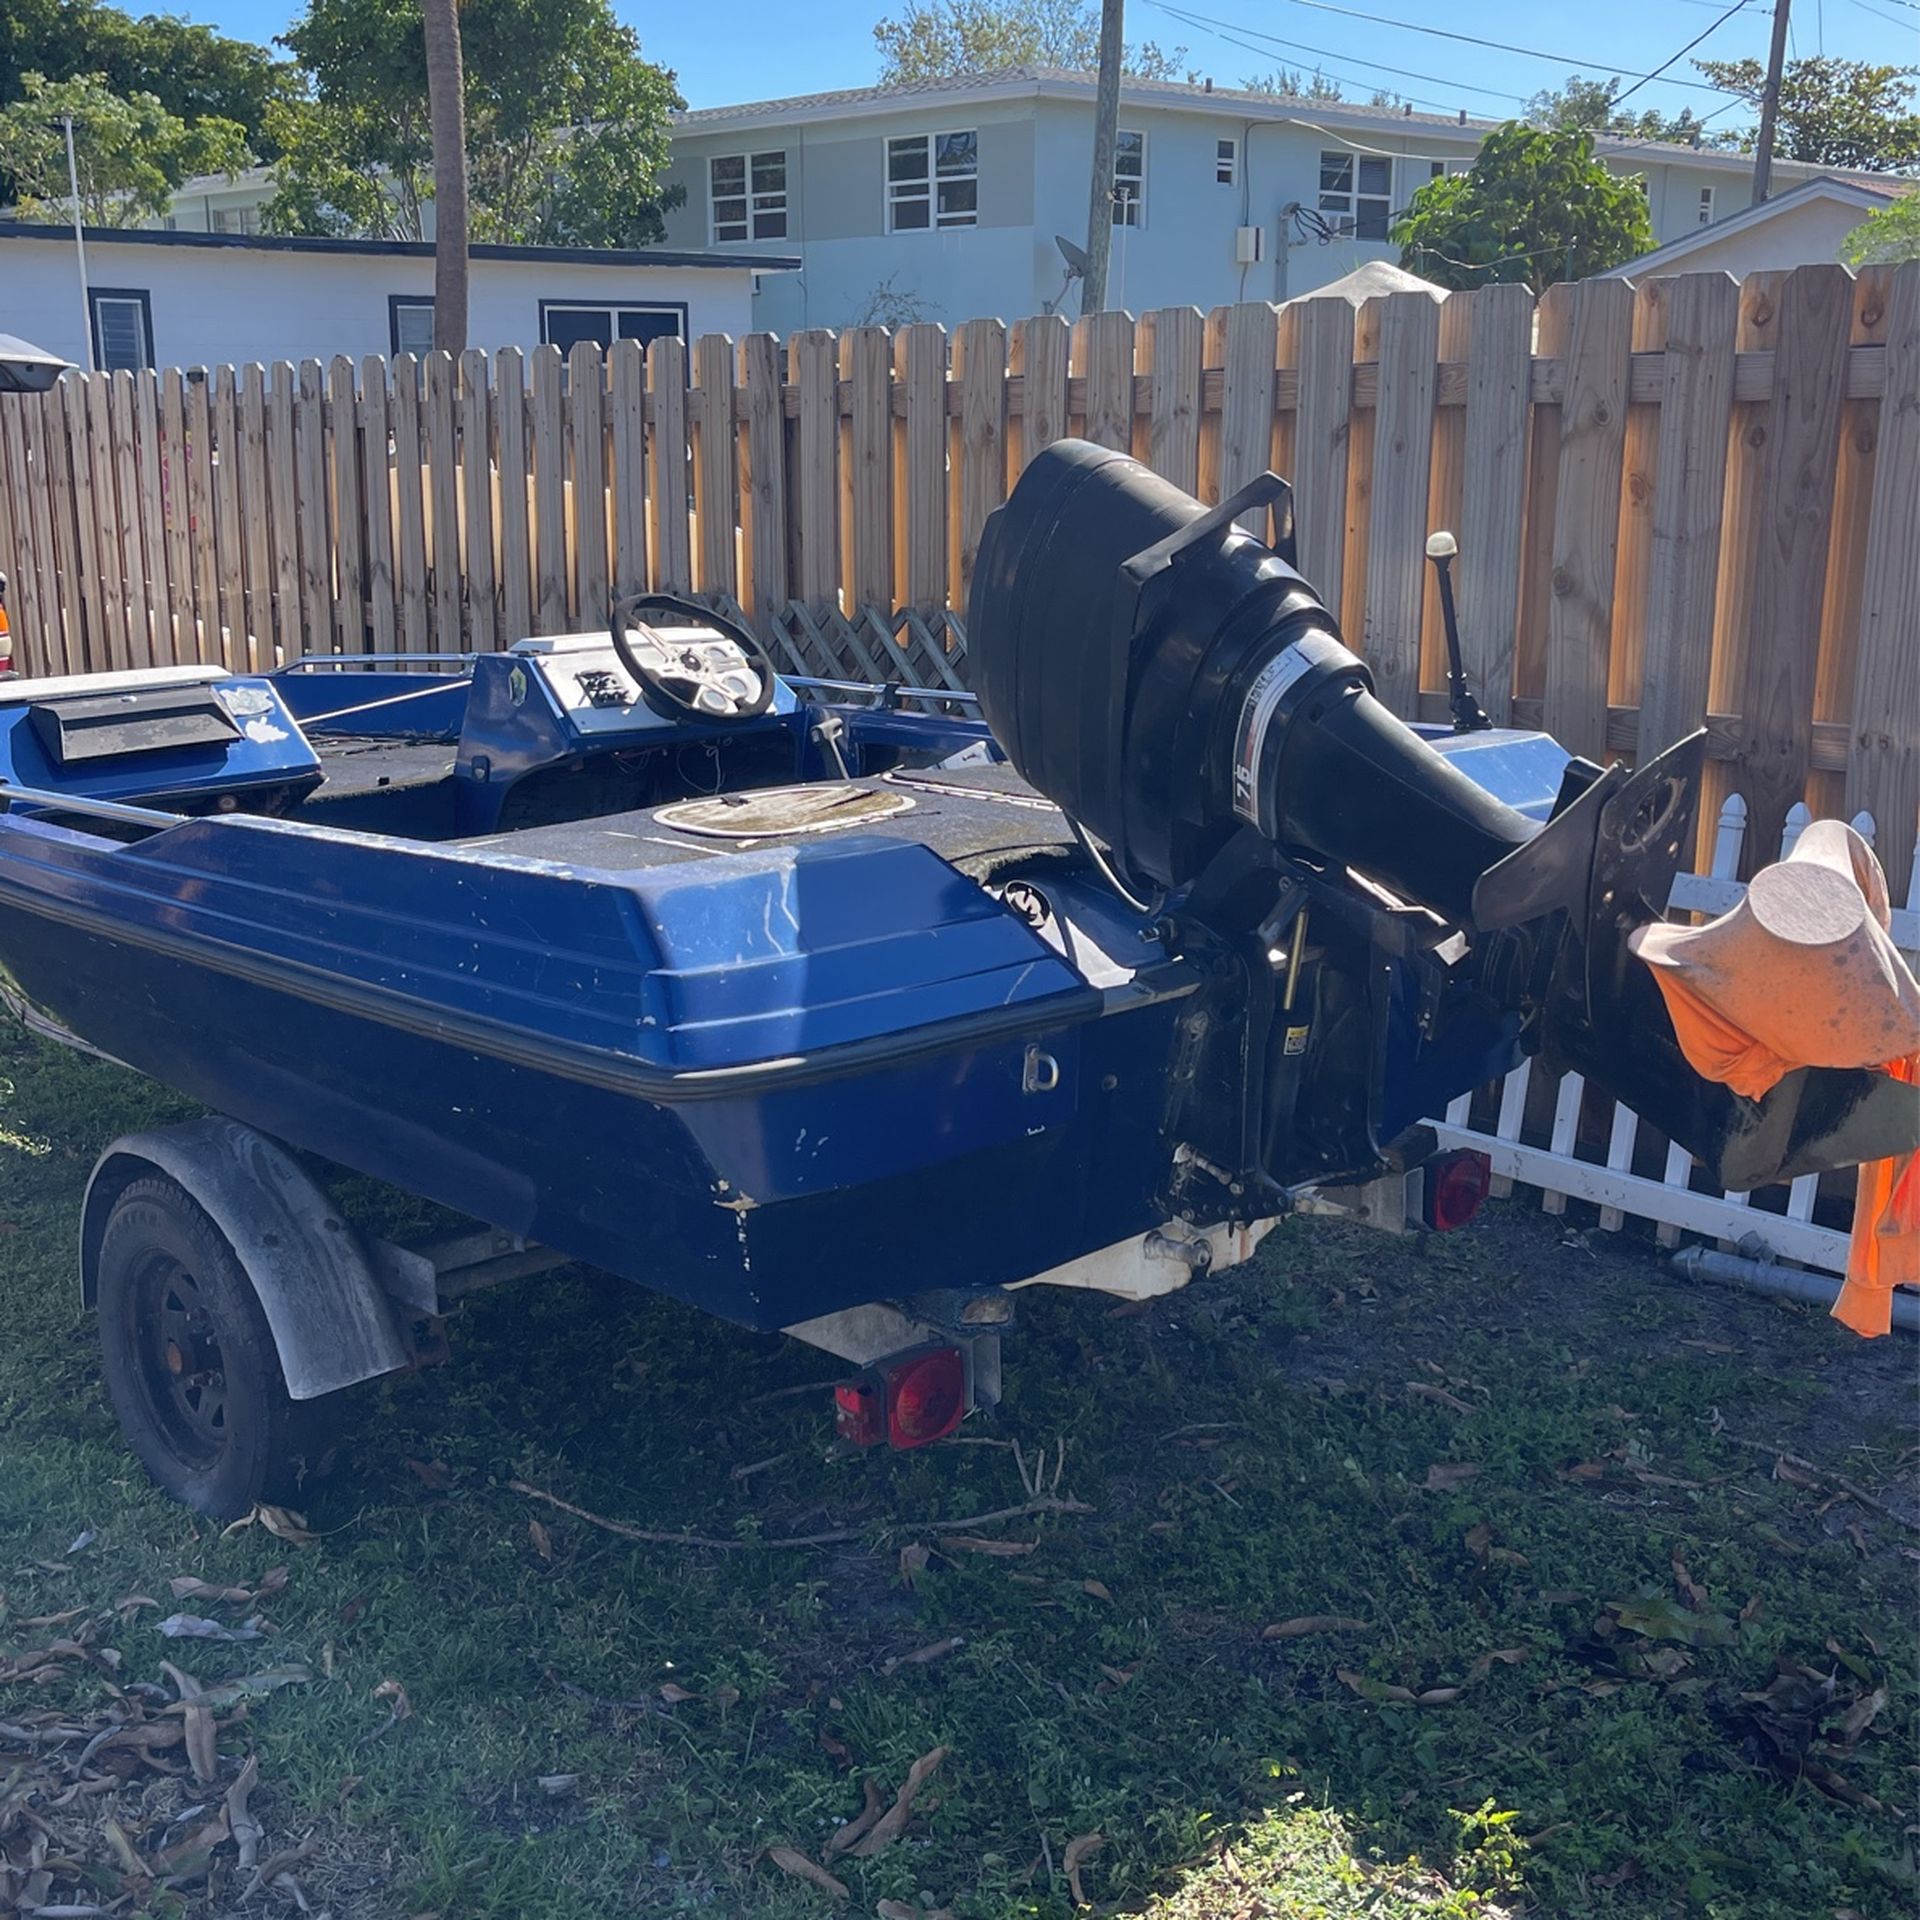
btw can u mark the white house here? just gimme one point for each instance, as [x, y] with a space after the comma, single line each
[942, 201]
[1801, 227]
[186, 298]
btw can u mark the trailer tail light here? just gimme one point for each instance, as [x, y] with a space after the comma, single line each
[1456, 1184]
[909, 1401]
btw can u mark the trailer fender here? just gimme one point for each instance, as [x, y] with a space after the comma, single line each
[332, 1321]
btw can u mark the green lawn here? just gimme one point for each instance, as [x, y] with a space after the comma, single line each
[1592, 1602]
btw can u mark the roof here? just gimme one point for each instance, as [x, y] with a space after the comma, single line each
[1849, 191]
[1369, 281]
[403, 249]
[1058, 83]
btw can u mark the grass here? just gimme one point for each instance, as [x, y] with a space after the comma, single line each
[1255, 1451]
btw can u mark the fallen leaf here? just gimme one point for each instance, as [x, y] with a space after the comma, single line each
[1444, 1478]
[1313, 1623]
[188, 1588]
[1659, 1618]
[1774, 1538]
[557, 1785]
[676, 1695]
[1691, 1591]
[888, 1828]
[434, 1475]
[1785, 1470]
[836, 1750]
[1079, 1852]
[1860, 1716]
[1422, 1390]
[997, 1549]
[725, 1697]
[195, 1626]
[1837, 1788]
[399, 1706]
[1501, 1656]
[1477, 1540]
[1097, 1588]
[1380, 1692]
[1628, 1869]
[914, 1559]
[282, 1522]
[1117, 1677]
[1858, 1535]
[862, 1822]
[1709, 1346]
[797, 1864]
[920, 1656]
[1438, 1696]
[1507, 1557]
[1585, 1470]
[246, 1830]
[541, 1541]
[202, 1743]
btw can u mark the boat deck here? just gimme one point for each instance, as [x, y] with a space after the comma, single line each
[979, 819]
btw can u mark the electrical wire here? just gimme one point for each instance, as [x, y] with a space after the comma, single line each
[1439, 33]
[1681, 55]
[1380, 66]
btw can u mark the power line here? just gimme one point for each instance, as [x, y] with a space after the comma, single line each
[1681, 55]
[1300, 46]
[1444, 33]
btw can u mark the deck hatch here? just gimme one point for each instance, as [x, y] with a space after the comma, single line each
[83, 728]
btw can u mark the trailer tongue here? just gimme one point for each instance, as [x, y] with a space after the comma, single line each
[826, 1008]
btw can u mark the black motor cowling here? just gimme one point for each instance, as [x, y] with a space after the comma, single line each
[1167, 679]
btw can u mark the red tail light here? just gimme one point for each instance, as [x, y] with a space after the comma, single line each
[1456, 1184]
[907, 1402]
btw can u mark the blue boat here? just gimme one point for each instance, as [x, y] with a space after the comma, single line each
[846, 1010]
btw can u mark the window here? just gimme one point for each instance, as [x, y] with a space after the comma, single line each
[1226, 162]
[1706, 206]
[564, 323]
[410, 323]
[1357, 188]
[1129, 179]
[748, 196]
[234, 220]
[933, 180]
[122, 328]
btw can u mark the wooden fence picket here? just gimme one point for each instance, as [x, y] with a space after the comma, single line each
[670, 467]
[627, 384]
[377, 492]
[866, 364]
[763, 490]
[1170, 343]
[443, 506]
[476, 472]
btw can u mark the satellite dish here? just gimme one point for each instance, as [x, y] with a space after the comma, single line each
[1075, 257]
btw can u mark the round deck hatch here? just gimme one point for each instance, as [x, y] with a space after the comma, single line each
[777, 813]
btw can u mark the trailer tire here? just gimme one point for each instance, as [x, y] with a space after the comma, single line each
[189, 1360]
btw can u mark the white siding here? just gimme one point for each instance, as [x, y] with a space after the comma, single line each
[212, 305]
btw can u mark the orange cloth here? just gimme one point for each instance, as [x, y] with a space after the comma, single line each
[1884, 1252]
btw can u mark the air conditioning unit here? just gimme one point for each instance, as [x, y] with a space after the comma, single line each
[1249, 246]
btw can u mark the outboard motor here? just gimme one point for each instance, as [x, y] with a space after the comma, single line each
[1376, 932]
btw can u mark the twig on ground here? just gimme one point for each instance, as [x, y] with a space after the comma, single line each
[659, 1537]
[752, 1467]
[1827, 1474]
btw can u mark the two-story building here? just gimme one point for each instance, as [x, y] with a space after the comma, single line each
[948, 200]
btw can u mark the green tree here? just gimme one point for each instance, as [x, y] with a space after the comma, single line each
[937, 39]
[130, 152]
[1886, 238]
[1590, 106]
[1836, 113]
[566, 124]
[1534, 206]
[1291, 84]
[194, 72]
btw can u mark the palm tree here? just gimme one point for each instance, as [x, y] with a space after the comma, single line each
[446, 110]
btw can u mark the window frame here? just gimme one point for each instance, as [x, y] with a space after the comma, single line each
[776, 202]
[1345, 203]
[611, 308]
[925, 190]
[1704, 215]
[1226, 160]
[395, 303]
[1130, 210]
[141, 298]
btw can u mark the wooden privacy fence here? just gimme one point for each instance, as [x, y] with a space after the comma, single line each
[1695, 499]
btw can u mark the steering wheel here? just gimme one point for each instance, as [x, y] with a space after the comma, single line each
[722, 674]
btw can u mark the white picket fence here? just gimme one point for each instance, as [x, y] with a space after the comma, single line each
[1557, 1167]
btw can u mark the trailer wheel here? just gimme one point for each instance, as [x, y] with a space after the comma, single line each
[189, 1361]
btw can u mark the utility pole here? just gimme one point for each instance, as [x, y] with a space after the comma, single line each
[79, 244]
[1770, 105]
[1106, 123]
[447, 116]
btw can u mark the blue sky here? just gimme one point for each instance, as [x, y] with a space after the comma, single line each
[754, 49]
